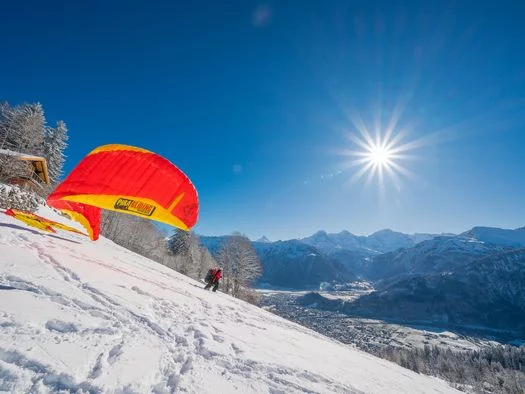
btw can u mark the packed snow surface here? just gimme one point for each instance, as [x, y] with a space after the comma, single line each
[82, 316]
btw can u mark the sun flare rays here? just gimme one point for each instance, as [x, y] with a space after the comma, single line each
[378, 158]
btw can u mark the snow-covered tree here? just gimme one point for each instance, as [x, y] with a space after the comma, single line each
[134, 233]
[11, 167]
[54, 145]
[184, 246]
[5, 122]
[22, 128]
[112, 226]
[13, 197]
[206, 261]
[240, 264]
[180, 252]
[180, 243]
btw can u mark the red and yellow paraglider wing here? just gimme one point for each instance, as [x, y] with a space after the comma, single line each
[131, 180]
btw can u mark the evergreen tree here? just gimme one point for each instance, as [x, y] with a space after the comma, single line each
[54, 145]
[180, 243]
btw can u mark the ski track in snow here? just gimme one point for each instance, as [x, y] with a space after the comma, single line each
[96, 318]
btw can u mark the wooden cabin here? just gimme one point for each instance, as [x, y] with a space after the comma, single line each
[36, 176]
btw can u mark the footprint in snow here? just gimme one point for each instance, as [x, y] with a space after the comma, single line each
[96, 371]
[61, 326]
[236, 349]
[217, 331]
[186, 367]
[181, 341]
[139, 291]
[218, 338]
[115, 353]
[199, 334]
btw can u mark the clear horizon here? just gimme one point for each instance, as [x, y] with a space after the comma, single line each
[360, 116]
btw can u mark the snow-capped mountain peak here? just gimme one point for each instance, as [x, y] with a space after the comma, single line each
[384, 232]
[263, 239]
[381, 241]
[320, 235]
[497, 236]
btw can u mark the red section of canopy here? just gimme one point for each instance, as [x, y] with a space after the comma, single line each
[87, 215]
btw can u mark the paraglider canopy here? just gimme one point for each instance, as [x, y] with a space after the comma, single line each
[130, 180]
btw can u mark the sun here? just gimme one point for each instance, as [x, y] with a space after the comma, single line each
[380, 155]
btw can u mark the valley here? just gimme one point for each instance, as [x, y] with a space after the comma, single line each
[376, 334]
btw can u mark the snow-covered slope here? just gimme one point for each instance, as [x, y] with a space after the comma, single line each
[80, 315]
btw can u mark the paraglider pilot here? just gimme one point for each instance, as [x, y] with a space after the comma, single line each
[212, 277]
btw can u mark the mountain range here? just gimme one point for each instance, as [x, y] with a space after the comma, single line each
[379, 242]
[473, 278]
[322, 257]
[291, 264]
[295, 264]
[381, 256]
[488, 291]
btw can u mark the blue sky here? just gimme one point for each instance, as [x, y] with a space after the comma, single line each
[255, 101]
